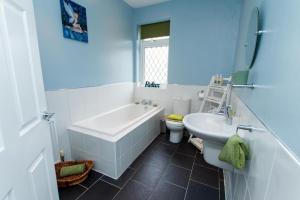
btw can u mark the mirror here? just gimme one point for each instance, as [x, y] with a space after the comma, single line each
[252, 36]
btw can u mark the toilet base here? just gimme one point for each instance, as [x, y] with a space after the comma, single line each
[176, 136]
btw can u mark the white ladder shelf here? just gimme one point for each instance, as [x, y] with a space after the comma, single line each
[215, 96]
[214, 99]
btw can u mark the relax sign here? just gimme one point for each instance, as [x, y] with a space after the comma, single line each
[151, 85]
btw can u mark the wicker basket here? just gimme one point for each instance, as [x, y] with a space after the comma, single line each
[74, 179]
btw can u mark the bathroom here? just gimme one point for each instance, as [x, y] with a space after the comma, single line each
[99, 80]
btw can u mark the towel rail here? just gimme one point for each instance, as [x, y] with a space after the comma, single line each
[247, 128]
[250, 86]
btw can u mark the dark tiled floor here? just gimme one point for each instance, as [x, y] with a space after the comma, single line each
[134, 191]
[164, 171]
[92, 178]
[121, 182]
[183, 161]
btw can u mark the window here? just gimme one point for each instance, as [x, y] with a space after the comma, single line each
[155, 52]
[155, 56]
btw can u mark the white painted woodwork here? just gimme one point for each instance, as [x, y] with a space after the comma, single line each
[27, 167]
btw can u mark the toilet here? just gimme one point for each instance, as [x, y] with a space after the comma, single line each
[181, 106]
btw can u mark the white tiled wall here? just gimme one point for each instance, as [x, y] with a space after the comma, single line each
[58, 103]
[71, 105]
[272, 173]
[87, 102]
[164, 96]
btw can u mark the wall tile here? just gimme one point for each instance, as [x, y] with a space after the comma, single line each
[57, 102]
[164, 96]
[247, 196]
[88, 102]
[272, 172]
[285, 177]
[239, 188]
[262, 159]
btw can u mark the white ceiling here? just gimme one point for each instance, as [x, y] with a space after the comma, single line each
[143, 3]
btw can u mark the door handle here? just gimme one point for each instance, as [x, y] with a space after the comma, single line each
[47, 116]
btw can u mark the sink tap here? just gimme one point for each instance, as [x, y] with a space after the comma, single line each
[228, 114]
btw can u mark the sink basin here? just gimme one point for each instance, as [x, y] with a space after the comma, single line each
[214, 130]
[209, 126]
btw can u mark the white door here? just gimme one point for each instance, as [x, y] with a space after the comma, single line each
[26, 161]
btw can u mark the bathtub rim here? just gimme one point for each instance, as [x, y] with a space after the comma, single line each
[125, 126]
[119, 135]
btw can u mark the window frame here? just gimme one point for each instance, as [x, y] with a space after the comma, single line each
[149, 43]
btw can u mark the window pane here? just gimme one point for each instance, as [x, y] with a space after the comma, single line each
[156, 64]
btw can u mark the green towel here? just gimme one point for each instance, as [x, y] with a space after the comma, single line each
[72, 170]
[175, 117]
[235, 152]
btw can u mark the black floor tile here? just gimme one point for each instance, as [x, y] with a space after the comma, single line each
[157, 159]
[200, 161]
[221, 174]
[164, 149]
[222, 193]
[133, 191]
[187, 148]
[100, 190]
[165, 191]
[205, 176]
[148, 175]
[122, 180]
[183, 161]
[137, 163]
[149, 151]
[163, 138]
[92, 178]
[221, 185]
[177, 175]
[70, 193]
[150, 148]
[222, 190]
[198, 191]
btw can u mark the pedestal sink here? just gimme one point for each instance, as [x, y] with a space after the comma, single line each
[214, 130]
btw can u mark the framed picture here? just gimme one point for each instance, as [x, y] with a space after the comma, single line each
[74, 21]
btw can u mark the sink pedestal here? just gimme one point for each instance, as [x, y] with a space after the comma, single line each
[211, 153]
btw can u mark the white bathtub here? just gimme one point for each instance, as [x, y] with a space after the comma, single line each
[116, 138]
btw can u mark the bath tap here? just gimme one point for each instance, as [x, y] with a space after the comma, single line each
[144, 102]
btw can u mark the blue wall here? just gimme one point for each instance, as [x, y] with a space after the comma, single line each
[277, 68]
[203, 37]
[107, 58]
